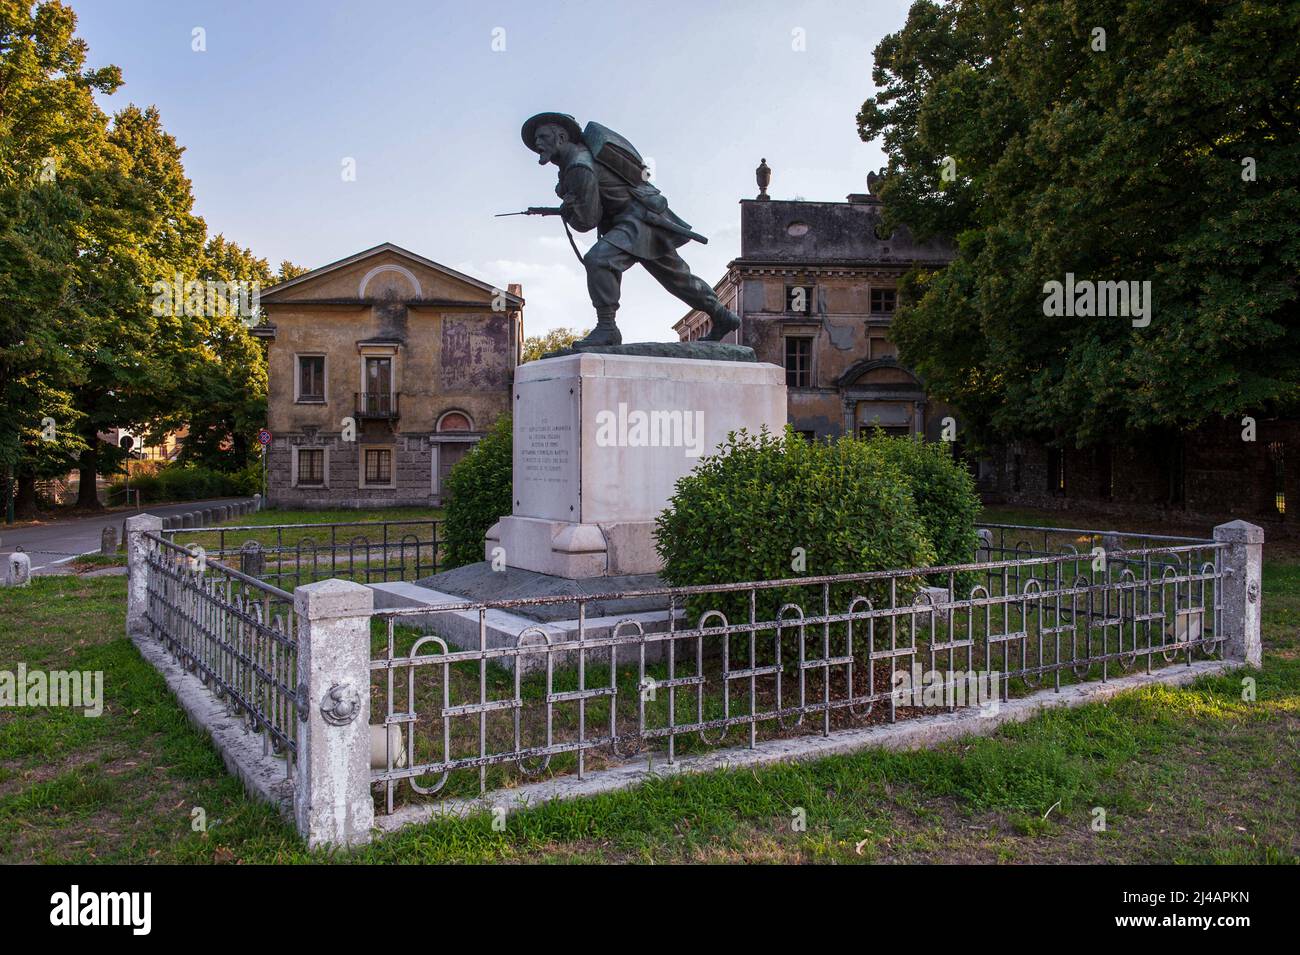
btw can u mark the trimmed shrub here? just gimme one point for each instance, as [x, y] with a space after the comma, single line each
[943, 489]
[479, 494]
[175, 482]
[752, 509]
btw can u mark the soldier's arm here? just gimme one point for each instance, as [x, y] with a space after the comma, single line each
[580, 199]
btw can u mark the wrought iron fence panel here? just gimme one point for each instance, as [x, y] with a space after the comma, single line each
[235, 632]
[542, 704]
[290, 555]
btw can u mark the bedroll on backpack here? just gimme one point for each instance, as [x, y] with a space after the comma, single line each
[615, 153]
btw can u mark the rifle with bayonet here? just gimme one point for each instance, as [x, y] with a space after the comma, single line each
[547, 211]
[532, 211]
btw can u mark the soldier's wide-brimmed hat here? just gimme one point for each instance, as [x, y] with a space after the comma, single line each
[563, 120]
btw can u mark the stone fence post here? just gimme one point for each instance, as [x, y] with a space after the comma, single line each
[18, 570]
[1242, 590]
[137, 575]
[332, 802]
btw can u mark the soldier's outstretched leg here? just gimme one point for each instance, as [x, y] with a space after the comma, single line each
[605, 264]
[672, 272]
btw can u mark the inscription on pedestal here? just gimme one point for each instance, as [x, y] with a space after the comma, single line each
[545, 454]
[546, 450]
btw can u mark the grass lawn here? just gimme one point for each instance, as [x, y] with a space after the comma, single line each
[296, 556]
[1183, 775]
[92, 562]
[335, 516]
[210, 538]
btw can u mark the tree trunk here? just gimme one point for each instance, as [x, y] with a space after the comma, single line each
[87, 492]
[25, 499]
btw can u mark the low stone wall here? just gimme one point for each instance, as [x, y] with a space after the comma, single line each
[203, 517]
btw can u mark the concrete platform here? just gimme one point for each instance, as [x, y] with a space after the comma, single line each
[480, 582]
[549, 622]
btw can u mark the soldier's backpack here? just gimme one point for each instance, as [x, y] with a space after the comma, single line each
[616, 154]
[620, 157]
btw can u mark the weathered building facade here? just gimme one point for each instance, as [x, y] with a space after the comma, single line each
[385, 368]
[815, 288]
[1226, 468]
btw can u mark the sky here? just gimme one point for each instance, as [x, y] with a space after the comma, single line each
[427, 98]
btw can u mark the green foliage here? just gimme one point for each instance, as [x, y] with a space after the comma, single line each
[247, 480]
[53, 170]
[1128, 163]
[222, 400]
[177, 482]
[535, 346]
[943, 489]
[749, 511]
[94, 212]
[479, 489]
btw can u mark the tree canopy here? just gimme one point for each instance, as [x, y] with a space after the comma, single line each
[95, 212]
[1114, 140]
[535, 346]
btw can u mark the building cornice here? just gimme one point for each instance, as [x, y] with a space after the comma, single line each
[848, 268]
[373, 302]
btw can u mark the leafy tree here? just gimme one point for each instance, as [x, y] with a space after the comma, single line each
[144, 231]
[92, 215]
[223, 376]
[34, 278]
[289, 271]
[1170, 156]
[53, 165]
[222, 371]
[535, 346]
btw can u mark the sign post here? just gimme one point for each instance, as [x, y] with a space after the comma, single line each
[126, 443]
[264, 439]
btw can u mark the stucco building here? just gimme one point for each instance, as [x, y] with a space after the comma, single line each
[385, 367]
[815, 288]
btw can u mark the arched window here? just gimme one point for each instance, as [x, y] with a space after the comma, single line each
[455, 421]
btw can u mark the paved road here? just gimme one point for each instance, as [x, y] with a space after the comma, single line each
[58, 542]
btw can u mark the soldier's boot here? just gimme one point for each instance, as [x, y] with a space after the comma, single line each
[605, 333]
[724, 323]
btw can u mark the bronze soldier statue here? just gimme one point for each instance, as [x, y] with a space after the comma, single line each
[603, 185]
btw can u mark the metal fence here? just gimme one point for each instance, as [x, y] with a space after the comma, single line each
[290, 555]
[236, 633]
[1039, 608]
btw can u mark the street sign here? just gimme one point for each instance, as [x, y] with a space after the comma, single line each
[127, 442]
[263, 437]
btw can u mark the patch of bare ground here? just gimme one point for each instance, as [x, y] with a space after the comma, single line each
[139, 806]
[18, 777]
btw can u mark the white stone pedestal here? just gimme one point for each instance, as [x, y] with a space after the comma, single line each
[599, 443]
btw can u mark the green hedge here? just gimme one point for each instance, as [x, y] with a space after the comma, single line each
[176, 482]
[943, 489]
[749, 511]
[479, 494]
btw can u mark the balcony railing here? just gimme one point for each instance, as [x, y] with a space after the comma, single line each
[377, 404]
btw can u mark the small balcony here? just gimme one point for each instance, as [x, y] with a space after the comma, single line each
[376, 405]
